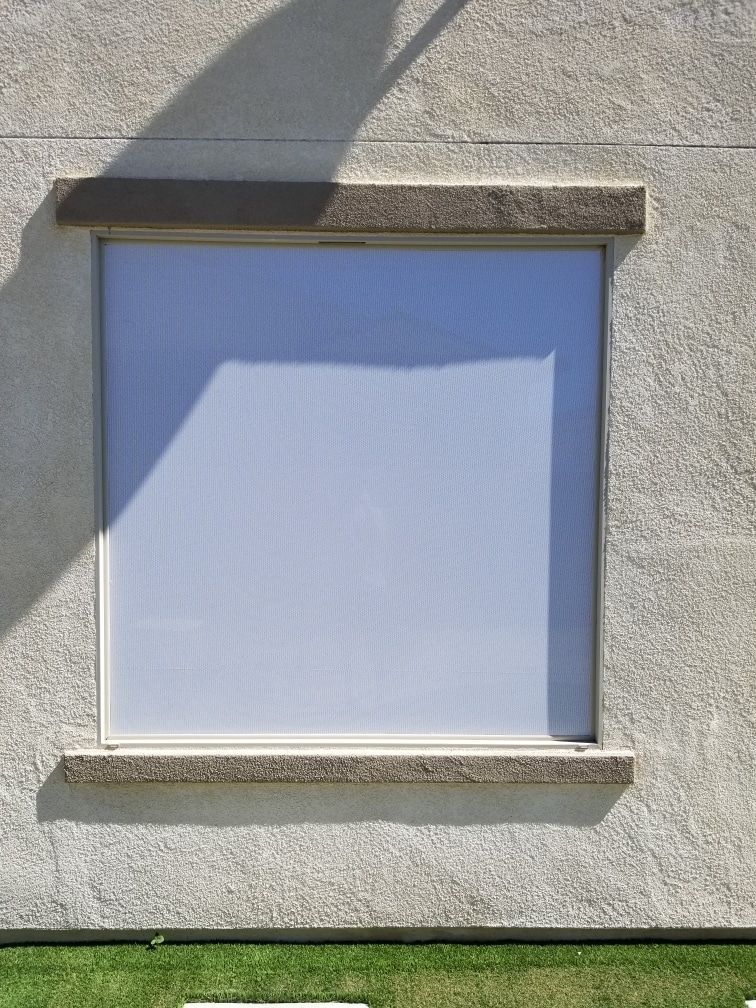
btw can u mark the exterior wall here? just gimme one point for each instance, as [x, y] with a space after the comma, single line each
[657, 92]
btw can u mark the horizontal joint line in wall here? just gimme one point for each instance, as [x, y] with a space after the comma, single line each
[397, 141]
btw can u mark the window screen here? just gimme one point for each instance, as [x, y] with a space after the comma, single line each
[350, 489]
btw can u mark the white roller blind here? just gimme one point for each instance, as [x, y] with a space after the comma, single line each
[350, 490]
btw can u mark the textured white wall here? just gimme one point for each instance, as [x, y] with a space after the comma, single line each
[658, 92]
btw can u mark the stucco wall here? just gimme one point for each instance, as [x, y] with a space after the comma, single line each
[658, 92]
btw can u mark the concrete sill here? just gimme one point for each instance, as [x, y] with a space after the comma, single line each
[350, 207]
[427, 766]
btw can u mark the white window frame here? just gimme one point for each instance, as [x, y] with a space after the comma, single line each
[393, 742]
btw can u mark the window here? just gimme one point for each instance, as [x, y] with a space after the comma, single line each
[350, 489]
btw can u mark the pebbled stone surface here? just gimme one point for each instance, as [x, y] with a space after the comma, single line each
[428, 767]
[333, 206]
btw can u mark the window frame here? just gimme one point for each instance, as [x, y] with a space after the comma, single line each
[278, 742]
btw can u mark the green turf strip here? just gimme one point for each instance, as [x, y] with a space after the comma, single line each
[383, 976]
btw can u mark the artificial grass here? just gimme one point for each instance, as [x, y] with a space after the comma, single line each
[621, 975]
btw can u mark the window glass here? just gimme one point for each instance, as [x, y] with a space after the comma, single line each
[350, 489]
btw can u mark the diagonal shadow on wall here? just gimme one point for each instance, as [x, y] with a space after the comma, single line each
[313, 68]
[337, 71]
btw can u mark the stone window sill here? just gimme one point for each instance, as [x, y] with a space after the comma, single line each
[426, 766]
